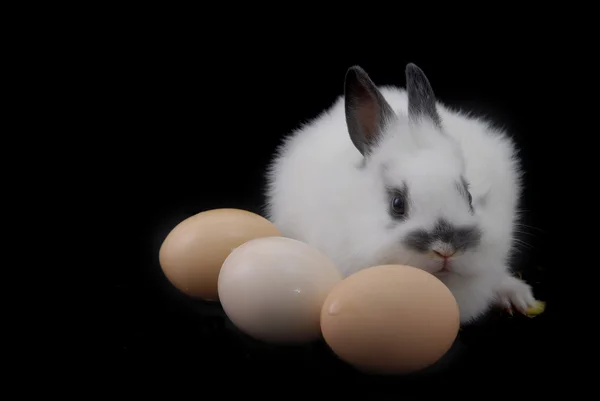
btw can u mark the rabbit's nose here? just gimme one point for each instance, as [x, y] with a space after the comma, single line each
[444, 253]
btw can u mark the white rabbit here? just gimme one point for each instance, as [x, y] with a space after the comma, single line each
[392, 176]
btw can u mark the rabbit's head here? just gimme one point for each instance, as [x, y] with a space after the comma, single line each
[425, 208]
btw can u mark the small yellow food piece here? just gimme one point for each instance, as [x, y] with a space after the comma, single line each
[537, 309]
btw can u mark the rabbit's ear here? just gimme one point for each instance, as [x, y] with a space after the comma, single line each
[421, 98]
[367, 111]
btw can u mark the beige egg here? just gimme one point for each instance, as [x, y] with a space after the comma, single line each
[273, 289]
[193, 252]
[390, 319]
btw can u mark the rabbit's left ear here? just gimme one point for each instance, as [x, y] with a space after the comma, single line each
[421, 98]
[367, 112]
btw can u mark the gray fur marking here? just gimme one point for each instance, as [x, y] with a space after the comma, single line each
[460, 238]
[463, 188]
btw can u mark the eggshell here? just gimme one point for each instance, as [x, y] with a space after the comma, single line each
[273, 289]
[193, 252]
[390, 319]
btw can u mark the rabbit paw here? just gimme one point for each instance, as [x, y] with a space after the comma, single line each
[515, 293]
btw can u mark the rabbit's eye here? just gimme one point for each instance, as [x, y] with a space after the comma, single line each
[398, 206]
[399, 200]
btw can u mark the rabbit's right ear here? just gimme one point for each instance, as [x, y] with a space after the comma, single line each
[367, 111]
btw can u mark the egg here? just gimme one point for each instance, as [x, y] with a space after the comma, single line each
[193, 252]
[390, 319]
[273, 289]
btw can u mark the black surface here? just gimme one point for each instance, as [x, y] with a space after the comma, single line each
[201, 122]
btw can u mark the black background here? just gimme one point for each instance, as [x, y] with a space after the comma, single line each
[202, 120]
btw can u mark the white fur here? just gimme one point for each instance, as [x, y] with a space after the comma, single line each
[318, 194]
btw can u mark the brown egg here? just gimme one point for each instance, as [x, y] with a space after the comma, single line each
[193, 252]
[390, 319]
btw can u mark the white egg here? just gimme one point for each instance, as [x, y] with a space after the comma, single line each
[273, 289]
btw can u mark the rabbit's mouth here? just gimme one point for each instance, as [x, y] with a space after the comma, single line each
[444, 271]
[441, 274]
[446, 268]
